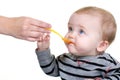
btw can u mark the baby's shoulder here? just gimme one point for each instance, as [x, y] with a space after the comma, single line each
[107, 59]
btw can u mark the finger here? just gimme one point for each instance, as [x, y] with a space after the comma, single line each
[35, 34]
[47, 37]
[43, 30]
[31, 39]
[38, 29]
[40, 39]
[39, 23]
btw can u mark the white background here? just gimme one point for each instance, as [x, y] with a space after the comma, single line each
[18, 60]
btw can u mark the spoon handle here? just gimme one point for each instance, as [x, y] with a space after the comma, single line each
[66, 40]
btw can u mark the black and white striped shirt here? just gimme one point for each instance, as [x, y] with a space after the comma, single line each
[70, 67]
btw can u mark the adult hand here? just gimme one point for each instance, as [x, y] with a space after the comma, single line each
[25, 28]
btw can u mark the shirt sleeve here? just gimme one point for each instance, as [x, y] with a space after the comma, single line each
[48, 62]
[112, 73]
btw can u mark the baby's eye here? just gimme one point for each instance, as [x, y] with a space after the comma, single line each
[70, 29]
[81, 31]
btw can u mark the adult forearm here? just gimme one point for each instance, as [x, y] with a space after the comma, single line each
[5, 25]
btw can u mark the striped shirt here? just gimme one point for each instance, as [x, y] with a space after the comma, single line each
[70, 67]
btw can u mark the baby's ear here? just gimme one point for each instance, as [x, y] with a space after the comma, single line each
[103, 45]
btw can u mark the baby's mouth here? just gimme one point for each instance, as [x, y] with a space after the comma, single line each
[67, 41]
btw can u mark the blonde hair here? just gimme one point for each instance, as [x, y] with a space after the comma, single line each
[108, 21]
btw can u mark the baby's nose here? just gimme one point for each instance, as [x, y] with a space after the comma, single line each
[72, 35]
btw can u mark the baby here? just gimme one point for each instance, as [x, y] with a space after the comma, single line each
[91, 30]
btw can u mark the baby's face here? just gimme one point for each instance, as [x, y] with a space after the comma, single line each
[85, 32]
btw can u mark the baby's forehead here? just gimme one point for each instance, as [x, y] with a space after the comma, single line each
[90, 14]
[85, 19]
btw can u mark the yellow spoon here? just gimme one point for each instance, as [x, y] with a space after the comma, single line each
[66, 40]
